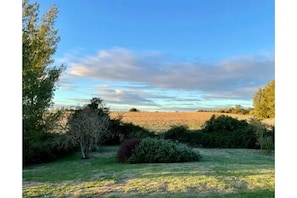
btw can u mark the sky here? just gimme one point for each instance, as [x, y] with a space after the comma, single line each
[164, 55]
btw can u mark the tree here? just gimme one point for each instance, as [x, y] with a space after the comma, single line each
[133, 110]
[264, 101]
[39, 75]
[88, 126]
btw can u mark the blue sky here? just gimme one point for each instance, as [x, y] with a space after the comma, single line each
[164, 55]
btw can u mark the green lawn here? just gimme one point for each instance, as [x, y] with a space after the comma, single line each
[221, 173]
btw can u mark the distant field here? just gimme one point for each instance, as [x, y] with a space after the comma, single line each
[162, 121]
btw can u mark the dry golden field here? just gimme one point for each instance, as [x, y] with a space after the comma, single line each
[162, 121]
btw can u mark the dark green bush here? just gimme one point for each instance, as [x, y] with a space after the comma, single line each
[265, 135]
[120, 131]
[45, 147]
[129, 130]
[227, 132]
[151, 150]
[177, 134]
[183, 135]
[126, 149]
[114, 135]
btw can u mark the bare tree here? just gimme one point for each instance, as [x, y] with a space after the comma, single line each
[87, 127]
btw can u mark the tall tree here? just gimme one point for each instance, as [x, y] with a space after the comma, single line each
[264, 101]
[40, 77]
[39, 82]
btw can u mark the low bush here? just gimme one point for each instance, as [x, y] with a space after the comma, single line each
[45, 147]
[129, 130]
[126, 149]
[120, 131]
[151, 150]
[177, 134]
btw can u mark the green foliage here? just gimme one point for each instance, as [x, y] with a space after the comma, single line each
[130, 130]
[88, 126]
[264, 101]
[126, 149]
[265, 136]
[39, 75]
[39, 81]
[238, 109]
[227, 132]
[177, 133]
[120, 131]
[152, 150]
[45, 147]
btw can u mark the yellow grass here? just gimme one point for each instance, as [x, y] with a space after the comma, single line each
[162, 121]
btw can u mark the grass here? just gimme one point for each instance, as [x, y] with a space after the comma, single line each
[221, 173]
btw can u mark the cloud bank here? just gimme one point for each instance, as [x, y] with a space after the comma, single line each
[152, 76]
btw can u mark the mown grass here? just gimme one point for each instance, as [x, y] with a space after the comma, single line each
[221, 173]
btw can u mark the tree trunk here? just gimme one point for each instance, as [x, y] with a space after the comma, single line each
[82, 149]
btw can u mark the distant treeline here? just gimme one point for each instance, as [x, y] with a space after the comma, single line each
[238, 109]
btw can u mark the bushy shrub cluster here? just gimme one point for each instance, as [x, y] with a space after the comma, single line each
[218, 132]
[152, 150]
[177, 133]
[45, 147]
[265, 136]
[181, 134]
[227, 132]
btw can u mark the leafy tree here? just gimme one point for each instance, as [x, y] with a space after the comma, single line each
[264, 101]
[39, 78]
[89, 126]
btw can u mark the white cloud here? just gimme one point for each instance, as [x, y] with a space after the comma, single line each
[122, 65]
[140, 77]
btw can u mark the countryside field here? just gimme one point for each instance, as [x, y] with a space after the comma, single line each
[162, 121]
[221, 173]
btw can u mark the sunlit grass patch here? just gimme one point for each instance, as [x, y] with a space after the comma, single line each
[69, 189]
[198, 184]
[221, 173]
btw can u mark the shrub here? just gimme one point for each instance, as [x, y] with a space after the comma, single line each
[151, 150]
[126, 149]
[45, 147]
[265, 135]
[177, 133]
[227, 132]
[129, 130]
